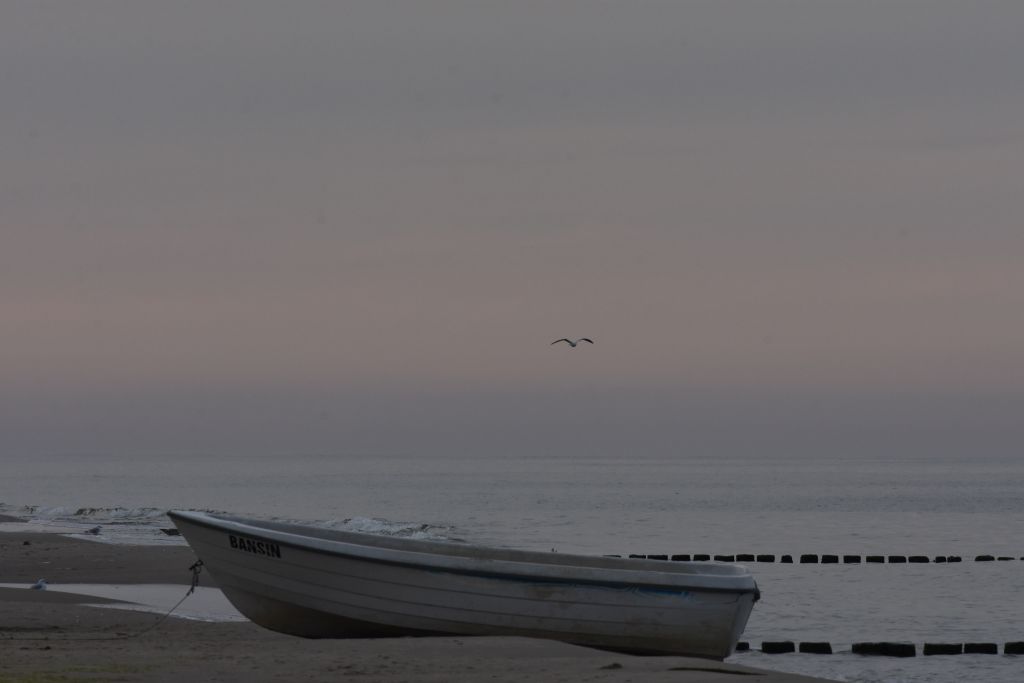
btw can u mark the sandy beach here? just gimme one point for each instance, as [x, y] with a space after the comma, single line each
[51, 635]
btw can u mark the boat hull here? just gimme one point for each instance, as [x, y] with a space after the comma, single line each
[342, 585]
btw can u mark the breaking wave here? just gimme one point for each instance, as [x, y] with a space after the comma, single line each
[384, 527]
[147, 525]
[109, 515]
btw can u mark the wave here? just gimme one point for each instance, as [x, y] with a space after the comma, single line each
[145, 525]
[109, 515]
[385, 527]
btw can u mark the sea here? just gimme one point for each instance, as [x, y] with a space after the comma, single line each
[632, 504]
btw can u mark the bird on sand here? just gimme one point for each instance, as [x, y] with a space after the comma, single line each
[572, 342]
[39, 585]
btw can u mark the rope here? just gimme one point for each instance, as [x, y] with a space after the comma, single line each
[196, 568]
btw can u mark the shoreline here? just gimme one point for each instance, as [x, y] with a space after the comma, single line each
[49, 634]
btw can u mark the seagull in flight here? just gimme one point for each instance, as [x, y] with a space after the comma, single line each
[572, 342]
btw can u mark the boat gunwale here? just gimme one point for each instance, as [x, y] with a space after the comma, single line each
[532, 568]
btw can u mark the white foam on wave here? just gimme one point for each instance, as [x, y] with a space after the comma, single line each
[94, 515]
[144, 525]
[384, 527]
[116, 525]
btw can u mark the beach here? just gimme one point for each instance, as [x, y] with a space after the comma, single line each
[53, 635]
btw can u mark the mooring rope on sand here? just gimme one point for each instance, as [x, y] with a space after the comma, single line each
[196, 568]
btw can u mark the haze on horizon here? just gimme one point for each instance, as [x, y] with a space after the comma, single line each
[790, 227]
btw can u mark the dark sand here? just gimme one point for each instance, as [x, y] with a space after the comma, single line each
[48, 636]
[60, 559]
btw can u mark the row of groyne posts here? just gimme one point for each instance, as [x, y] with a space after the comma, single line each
[825, 559]
[884, 649]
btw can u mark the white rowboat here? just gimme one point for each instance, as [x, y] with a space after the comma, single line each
[321, 583]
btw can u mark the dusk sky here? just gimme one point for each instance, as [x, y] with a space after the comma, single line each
[355, 227]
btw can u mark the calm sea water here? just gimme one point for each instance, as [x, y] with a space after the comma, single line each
[635, 504]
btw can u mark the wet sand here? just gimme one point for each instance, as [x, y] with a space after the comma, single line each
[48, 635]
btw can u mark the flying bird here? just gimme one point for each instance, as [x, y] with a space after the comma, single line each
[573, 343]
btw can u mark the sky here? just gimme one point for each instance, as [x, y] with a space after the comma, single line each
[790, 227]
